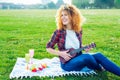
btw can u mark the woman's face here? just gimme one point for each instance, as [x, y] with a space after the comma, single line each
[65, 18]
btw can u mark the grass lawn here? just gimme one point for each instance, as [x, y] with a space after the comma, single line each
[21, 30]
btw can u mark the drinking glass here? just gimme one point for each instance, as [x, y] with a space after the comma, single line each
[27, 59]
[31, 53]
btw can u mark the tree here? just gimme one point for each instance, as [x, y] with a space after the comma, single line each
[76, 2]
[59, 3]
[81, 3]
[51, 5]
[117, 3]
[104, 3]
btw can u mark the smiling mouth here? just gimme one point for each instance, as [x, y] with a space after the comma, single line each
[64, 20]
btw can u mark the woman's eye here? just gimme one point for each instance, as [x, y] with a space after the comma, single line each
[65, 14]
[61, 15]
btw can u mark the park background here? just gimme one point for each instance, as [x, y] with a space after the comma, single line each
[25, 25]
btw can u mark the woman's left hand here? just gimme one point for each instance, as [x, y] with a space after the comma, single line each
[87, 50]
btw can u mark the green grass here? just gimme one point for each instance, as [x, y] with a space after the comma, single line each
[21, 30]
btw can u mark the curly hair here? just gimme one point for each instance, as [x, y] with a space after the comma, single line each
[74, 14]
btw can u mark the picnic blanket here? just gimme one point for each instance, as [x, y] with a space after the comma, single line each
[53, 69]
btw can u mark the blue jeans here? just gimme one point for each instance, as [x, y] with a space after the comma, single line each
[94, 61]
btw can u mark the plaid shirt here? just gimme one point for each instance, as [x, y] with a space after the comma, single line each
[59, 38]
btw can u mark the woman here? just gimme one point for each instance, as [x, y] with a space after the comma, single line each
[69, 35]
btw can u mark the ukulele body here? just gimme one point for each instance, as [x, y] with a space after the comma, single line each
[75, 52]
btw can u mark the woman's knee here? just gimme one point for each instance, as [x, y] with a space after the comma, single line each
[80, 59]
[98, 54]
[88, 58]
[83, 59]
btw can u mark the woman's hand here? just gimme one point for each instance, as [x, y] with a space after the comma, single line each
[65, 55]
[87, 50]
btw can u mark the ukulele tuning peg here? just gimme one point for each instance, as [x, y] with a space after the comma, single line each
[93, 43]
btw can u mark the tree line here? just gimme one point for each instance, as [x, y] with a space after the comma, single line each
[100, 4]
[49, 5]
[84, 4]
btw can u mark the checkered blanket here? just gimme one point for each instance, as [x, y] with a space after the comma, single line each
[53, 69]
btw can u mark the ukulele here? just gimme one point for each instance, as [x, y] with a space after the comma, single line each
[74, 52]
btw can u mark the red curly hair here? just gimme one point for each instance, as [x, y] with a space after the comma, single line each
[74, 14]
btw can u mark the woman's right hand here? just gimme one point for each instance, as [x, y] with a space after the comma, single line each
[65, 55]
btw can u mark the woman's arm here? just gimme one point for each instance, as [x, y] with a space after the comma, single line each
[87, 49]
[53, 51]
[63, 54]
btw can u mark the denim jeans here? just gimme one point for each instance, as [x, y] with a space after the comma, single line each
[94, 62]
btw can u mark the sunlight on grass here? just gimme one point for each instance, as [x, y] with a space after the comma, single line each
[21, 30]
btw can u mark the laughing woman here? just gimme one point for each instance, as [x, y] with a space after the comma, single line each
[69, 35]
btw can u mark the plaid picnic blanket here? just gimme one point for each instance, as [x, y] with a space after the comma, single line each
[53, 69]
